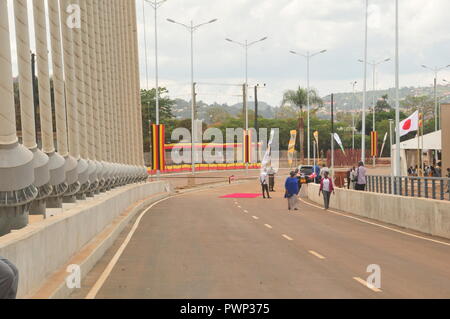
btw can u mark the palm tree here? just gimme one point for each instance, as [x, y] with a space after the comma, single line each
[299, 98]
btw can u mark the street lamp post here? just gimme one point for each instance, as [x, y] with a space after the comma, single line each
[374, 64]
[436, 71]
[155, 5]
[308, 57]
[246, 45]
[353, 112]
[192, 28]
[397, 93]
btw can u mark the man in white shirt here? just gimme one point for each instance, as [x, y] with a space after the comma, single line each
[264, 180]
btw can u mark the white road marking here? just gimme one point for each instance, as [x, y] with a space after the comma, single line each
[377, 225]
[366, 284]
[268, 226]
[312, 252]
[239, 207]
[100, 282]
[287, 237]
[255, 217]
[246, 211]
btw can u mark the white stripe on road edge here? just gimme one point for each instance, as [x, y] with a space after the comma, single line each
[99, 284]
[287, 237]
[378, 225]
[312, 252]
[246, 211]
[101, 281]
[239, 207]
[268, 226]
[365, 283]
[255, 217]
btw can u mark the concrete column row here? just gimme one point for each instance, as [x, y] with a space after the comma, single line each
[96, 109]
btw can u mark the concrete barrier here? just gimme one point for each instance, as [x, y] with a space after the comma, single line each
[41, 249]
[424, 215]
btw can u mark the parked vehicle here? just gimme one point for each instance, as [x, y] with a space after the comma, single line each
[306, 174]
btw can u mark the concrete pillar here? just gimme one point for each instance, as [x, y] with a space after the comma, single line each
[100, 126]
[57, 175]
[40, 160]
[72, 161]
[87, 77]
[83, 166]
[55, 200]
[445, 118]
[93, 91]
[16, 161]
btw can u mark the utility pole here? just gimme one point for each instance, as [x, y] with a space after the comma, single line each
[332, 136]
[256, 109]
[391, 137]
[245, 113]
[353, 114]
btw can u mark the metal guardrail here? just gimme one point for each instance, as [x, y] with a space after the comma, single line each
[411, 186]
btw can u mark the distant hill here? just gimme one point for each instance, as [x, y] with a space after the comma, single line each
[347, 101]
[344, 102]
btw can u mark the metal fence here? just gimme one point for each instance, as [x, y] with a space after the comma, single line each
[412, 186]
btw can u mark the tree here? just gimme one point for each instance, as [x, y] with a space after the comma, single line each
[383, 105]
[299, 98]
[148, 100]
[286, 112]
[217, 114]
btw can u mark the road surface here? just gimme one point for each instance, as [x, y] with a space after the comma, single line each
[198, 245]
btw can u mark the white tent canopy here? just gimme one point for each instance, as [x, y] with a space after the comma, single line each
[432, 141]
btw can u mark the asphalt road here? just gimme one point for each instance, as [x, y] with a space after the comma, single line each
[198, 245]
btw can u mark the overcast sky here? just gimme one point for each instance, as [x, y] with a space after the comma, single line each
[300, 25]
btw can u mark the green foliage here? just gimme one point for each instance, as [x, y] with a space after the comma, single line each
[148, 100]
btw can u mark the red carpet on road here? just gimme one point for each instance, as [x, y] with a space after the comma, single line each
[241, 195]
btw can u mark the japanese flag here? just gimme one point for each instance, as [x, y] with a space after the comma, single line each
[410, 124]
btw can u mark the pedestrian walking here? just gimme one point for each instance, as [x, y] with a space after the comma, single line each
[292, 191]
[361, 179]
[9, 279]
[264, 180]
[324, 170]
[326, 188]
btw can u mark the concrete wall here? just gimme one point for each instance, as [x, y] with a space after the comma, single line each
[423, 215]
[43, 248]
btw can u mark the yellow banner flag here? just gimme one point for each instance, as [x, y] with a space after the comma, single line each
[291, 147]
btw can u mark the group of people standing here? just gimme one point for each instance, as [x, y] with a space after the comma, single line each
[428, 170]
[293, 187]
[357, 177]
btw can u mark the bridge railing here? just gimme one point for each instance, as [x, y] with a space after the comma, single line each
[411, 186]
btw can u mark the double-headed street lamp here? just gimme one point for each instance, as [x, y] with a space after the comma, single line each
[436, 71]
[308, 57]
[374, 65]
[155, 4]
[246, 45]
[192, 28]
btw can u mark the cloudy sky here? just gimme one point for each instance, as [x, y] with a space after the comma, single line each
[301, 25]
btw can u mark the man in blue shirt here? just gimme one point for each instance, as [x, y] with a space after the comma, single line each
[292, 190]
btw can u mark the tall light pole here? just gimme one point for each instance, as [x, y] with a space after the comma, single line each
[246, 45]
[435, 71]
[353, 112]
[397, 95]
[374, 65]
[155, 5]
[363, 135]
[192, 28]
[308, 57]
